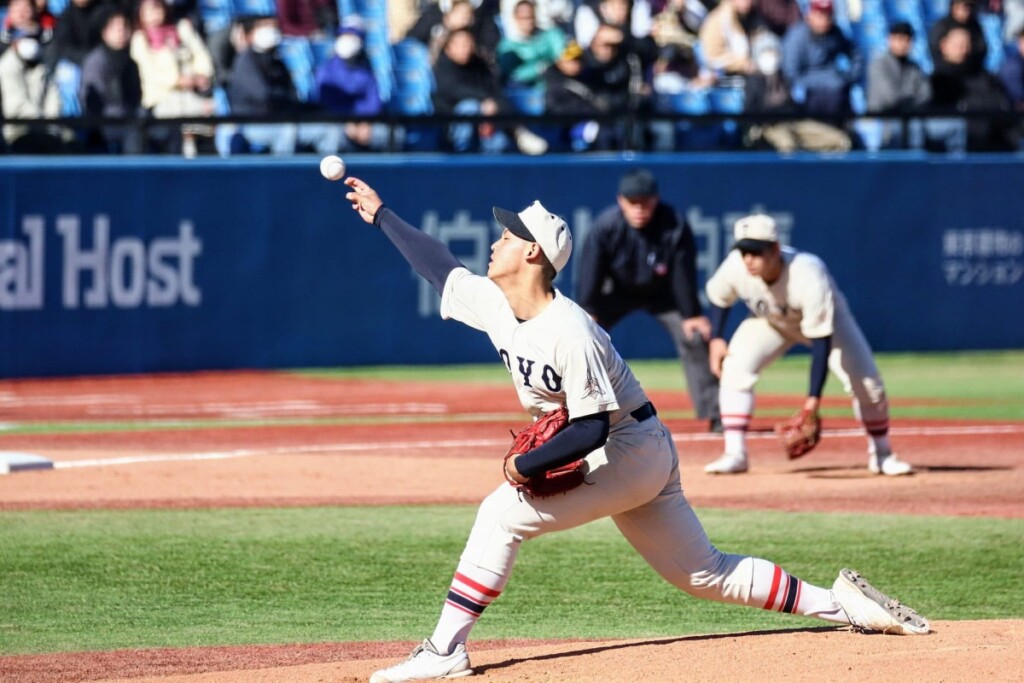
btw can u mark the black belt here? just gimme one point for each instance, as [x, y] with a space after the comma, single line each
[644, 412]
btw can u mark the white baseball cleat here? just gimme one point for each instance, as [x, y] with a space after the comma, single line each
[426, 662]
[889, 465]
[868, 609]
[728, 463]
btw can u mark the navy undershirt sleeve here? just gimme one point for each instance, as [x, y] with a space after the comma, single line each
[583, 436]
[718, 317]
[820, 348]
[428, 256]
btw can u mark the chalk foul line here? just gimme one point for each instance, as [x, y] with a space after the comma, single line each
[434, 444]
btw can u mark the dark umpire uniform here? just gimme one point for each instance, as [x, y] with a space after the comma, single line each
[651, 268]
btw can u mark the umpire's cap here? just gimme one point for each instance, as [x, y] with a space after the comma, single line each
[755, 233]
[638, 182]
[537, 224]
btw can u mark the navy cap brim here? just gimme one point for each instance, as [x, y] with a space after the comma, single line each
[511, 221]
[756, 246]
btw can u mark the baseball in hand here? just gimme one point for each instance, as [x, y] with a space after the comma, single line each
[332, 167]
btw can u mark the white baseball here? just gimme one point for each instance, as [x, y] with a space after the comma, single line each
[332, 167]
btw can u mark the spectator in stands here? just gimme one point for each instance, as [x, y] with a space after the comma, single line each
[820, 63]
[307, 18]
[262, 86]
[778, 15]
[76, 33]
[467, 84]
[522, 61]
[29, 93]
[345, 84]
[111, 87]
[550, 14]
[766, 91]
[1013, 20]
[176, 72]
[961, 15]
[959, 85]
[725, 40]
[679, 21]
[634, 19]
[565, 94]
[439, 20]
[1012, 76]
[609, 74]
[897, 85]
[25, 16]
[1012, 72]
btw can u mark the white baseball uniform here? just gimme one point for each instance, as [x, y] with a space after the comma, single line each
[804, 303]
[562, 356]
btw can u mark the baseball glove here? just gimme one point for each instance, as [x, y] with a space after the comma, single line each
[554, 481]
[800, 433]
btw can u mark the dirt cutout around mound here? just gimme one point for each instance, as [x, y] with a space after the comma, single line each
[955, 651]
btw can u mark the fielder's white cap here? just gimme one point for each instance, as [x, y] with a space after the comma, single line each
[537, 224]
[755, 232]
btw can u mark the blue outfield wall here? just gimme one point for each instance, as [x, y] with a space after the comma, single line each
[117, 266]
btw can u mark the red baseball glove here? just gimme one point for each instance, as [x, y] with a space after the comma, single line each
[800, 433]
[557, 480]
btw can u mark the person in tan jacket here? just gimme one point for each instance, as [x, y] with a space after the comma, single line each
[175, 68]
[725, 37]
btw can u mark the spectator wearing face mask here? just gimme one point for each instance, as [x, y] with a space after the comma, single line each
[345, 85]
[25, 16]
[262, 86]
[766, 90]
[28, 93]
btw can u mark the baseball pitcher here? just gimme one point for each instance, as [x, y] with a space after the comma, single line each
[621, 460]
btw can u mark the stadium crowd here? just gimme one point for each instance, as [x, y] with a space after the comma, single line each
[828, 75]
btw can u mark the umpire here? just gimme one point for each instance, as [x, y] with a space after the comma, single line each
[640, 254]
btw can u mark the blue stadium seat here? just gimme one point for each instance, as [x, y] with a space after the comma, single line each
[992, 28]
[935, 9]
[323, 50]
[413, 79]
[68, 77]
[216, 15]
[297, 55]
[526, 100]
[243, 8]
[726, 100]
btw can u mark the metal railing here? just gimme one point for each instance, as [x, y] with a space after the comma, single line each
[627, 122]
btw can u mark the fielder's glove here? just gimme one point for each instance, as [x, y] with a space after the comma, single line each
[800, 433]
[557, 480]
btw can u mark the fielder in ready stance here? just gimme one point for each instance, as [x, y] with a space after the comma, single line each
[793, 300]
[557, 356]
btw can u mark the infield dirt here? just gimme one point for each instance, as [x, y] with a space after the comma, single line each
[303, 465]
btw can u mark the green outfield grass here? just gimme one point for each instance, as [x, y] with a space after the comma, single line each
[115, 579]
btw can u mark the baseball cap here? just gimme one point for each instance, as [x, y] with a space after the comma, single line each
[822, 5]
[537, 224]
[638, 183]
[901, 28]
[755, 232]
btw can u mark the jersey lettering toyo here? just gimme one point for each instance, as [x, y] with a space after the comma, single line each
[803, 303]
[560, 357]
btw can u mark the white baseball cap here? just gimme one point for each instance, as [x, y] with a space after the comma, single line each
[537, 224]
[755, 232]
